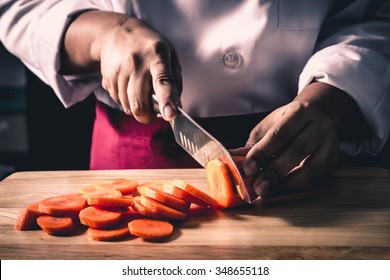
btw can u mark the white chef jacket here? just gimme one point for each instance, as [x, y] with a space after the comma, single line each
[238, 57]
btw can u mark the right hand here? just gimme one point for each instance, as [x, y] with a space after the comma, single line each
[135, 61]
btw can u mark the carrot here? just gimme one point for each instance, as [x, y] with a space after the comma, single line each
[102, 193]
[106, 201]
[162, 210]
[125, 186]
[151, 229]
[100, 218]
[159, 195]
[88, 188]
[27, 217]
[221, 184]
[144, 211]
[130, 214]
[118, 232]
[56, 225]
[197, 196]
[63, 205]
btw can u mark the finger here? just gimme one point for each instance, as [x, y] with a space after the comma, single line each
[290, 123]
[163, 81]
[111, 86]
[138, 94]
[312, 167]
[242, 151]
[307, 142]
[123, 81]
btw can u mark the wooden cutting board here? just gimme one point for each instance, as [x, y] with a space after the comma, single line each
[346, 216]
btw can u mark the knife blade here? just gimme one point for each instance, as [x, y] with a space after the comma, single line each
[203, 147]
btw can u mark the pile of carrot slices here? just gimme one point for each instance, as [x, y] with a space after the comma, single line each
[116, 209]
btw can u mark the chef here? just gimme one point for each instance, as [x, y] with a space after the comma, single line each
[289, 83]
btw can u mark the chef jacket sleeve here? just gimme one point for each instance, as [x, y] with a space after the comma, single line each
[352, 54]
[33, 31]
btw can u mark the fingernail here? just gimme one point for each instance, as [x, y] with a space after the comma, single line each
[261, 187]
[169, 112]
[250, 167]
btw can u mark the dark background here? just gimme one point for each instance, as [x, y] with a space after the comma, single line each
[46, 136]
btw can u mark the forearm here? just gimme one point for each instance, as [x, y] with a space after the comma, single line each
[339, 107]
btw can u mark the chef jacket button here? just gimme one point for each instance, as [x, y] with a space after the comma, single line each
[231, 59]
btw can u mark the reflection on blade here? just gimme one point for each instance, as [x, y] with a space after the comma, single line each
[203, 148]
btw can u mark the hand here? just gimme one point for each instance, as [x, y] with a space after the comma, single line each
[135, 61]
[300, 141]
[296, 143]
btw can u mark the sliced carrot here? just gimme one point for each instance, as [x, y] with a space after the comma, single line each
[198, 197]
[159, 195]
[130, 214]
[56, 225]
[27, 217]
[106, 201]
[151, 229]
[125, 186]
[100, 218]
[162, 210]
[248, 180]
[63, 205]
[144, 211]
[88, 188]
[118, 232]
[221, 185]
[102, 193]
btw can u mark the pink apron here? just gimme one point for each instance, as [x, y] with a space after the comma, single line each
[120, 142]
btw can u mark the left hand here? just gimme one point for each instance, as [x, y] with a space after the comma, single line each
[298, 142]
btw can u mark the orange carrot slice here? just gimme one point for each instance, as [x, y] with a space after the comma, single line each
[56, 225]
[198, 197]
[159, 195]
[102, 193]
[100, 218]
[160, 209]
[151, 229]
[221, 185]
[118, 232]
[88, 188]
[144, 211]
[27, 217]
[106, 201]
[125, 186]
[130, 214]
[63, 205]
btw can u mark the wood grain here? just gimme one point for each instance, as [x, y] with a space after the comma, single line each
[345, 216]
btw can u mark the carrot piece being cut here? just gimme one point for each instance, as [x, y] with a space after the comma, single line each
[63, 205]
[159, 195]
[151, 229]
[118, 232]
[56, 225]
[27, 217]
[160, 209]
[221, 184]
[100, 218]
[124, 185]
[197, 196]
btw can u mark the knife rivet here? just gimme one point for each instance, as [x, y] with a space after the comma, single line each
[231, 59]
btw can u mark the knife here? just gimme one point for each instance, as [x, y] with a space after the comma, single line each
[202, 146]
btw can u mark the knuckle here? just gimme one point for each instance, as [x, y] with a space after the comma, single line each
[138, 108]
[156, 48]
[261, 156]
